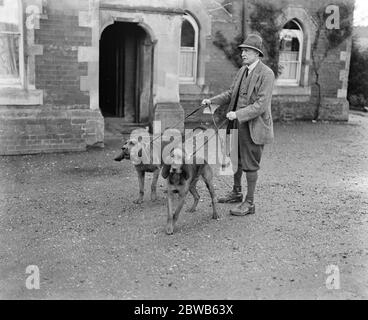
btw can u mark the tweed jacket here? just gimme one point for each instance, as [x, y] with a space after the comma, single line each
[253, 103]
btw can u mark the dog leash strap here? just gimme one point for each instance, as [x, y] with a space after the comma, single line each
[197, 149]
[179, 122]
[193, 112]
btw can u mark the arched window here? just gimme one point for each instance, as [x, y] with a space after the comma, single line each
[291, 48]
[188, 50]
[11, 45]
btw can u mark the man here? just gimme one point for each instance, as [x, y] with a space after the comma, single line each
[249, 111]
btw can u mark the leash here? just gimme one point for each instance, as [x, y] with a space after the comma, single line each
[217, 128]
[179, 122]
[216, 133]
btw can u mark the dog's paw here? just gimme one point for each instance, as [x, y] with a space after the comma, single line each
[169, 230]
[138, 201]
[153, 197]
[216, 216]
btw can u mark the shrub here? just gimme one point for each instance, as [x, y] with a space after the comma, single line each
[358, 78]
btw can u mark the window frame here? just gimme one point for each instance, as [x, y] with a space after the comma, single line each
[192, 21]
[299, 34]
[17, 83]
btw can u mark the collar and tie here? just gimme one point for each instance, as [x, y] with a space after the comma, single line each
[243, 78]
[253, 66]
[246, 72]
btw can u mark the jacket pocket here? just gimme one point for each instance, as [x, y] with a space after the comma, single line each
[266, 119]
[262, 130]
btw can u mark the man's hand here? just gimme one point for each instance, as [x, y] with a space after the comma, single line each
[206, 102]
[231, 115]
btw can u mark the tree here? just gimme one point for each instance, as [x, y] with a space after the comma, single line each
[358, 77]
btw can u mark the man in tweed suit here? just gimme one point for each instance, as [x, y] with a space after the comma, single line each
[249, 111]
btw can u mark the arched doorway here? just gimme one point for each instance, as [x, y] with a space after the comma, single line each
[125, 73]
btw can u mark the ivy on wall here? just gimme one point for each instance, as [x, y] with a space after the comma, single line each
[263, 20]
[231, 49]
[326, 40]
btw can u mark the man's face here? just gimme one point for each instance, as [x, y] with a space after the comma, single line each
[249, 56]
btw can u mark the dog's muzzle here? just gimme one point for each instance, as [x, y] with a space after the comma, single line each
[123, 155]
[175, 169]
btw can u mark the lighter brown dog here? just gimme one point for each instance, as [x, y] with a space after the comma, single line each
[141, 168]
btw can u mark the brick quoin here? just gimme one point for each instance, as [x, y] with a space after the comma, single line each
[58, 71]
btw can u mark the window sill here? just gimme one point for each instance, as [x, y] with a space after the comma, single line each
[293, 90]
[184, 81]
[18, 96]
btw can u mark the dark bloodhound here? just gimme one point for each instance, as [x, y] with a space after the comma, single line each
[182, 177]
[135, 148]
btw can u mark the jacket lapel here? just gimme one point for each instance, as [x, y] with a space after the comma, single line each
[253, 78]
[236, 88]
[238, 81]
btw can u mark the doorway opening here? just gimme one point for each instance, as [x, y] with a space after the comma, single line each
[125, 73]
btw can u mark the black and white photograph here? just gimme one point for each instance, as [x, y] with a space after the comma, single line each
[183, 150]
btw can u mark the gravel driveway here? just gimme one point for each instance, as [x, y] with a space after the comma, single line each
[72, 215]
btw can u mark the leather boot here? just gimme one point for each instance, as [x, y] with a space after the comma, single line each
[243, 209]
[232, 197]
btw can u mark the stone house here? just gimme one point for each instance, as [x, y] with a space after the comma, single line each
[66, 66]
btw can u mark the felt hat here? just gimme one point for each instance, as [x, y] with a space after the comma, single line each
[255, 42]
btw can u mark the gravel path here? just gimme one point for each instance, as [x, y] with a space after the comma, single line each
[72, 215]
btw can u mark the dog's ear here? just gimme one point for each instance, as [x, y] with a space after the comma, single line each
[186, 171]
[165, 171]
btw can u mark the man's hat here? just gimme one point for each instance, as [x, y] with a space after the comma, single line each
[253, 41]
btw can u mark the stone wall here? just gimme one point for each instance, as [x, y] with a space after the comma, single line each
[34, 129]
[53, 111]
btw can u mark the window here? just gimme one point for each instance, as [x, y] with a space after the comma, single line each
[291, 48]
[188, 50]
[11, 46]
